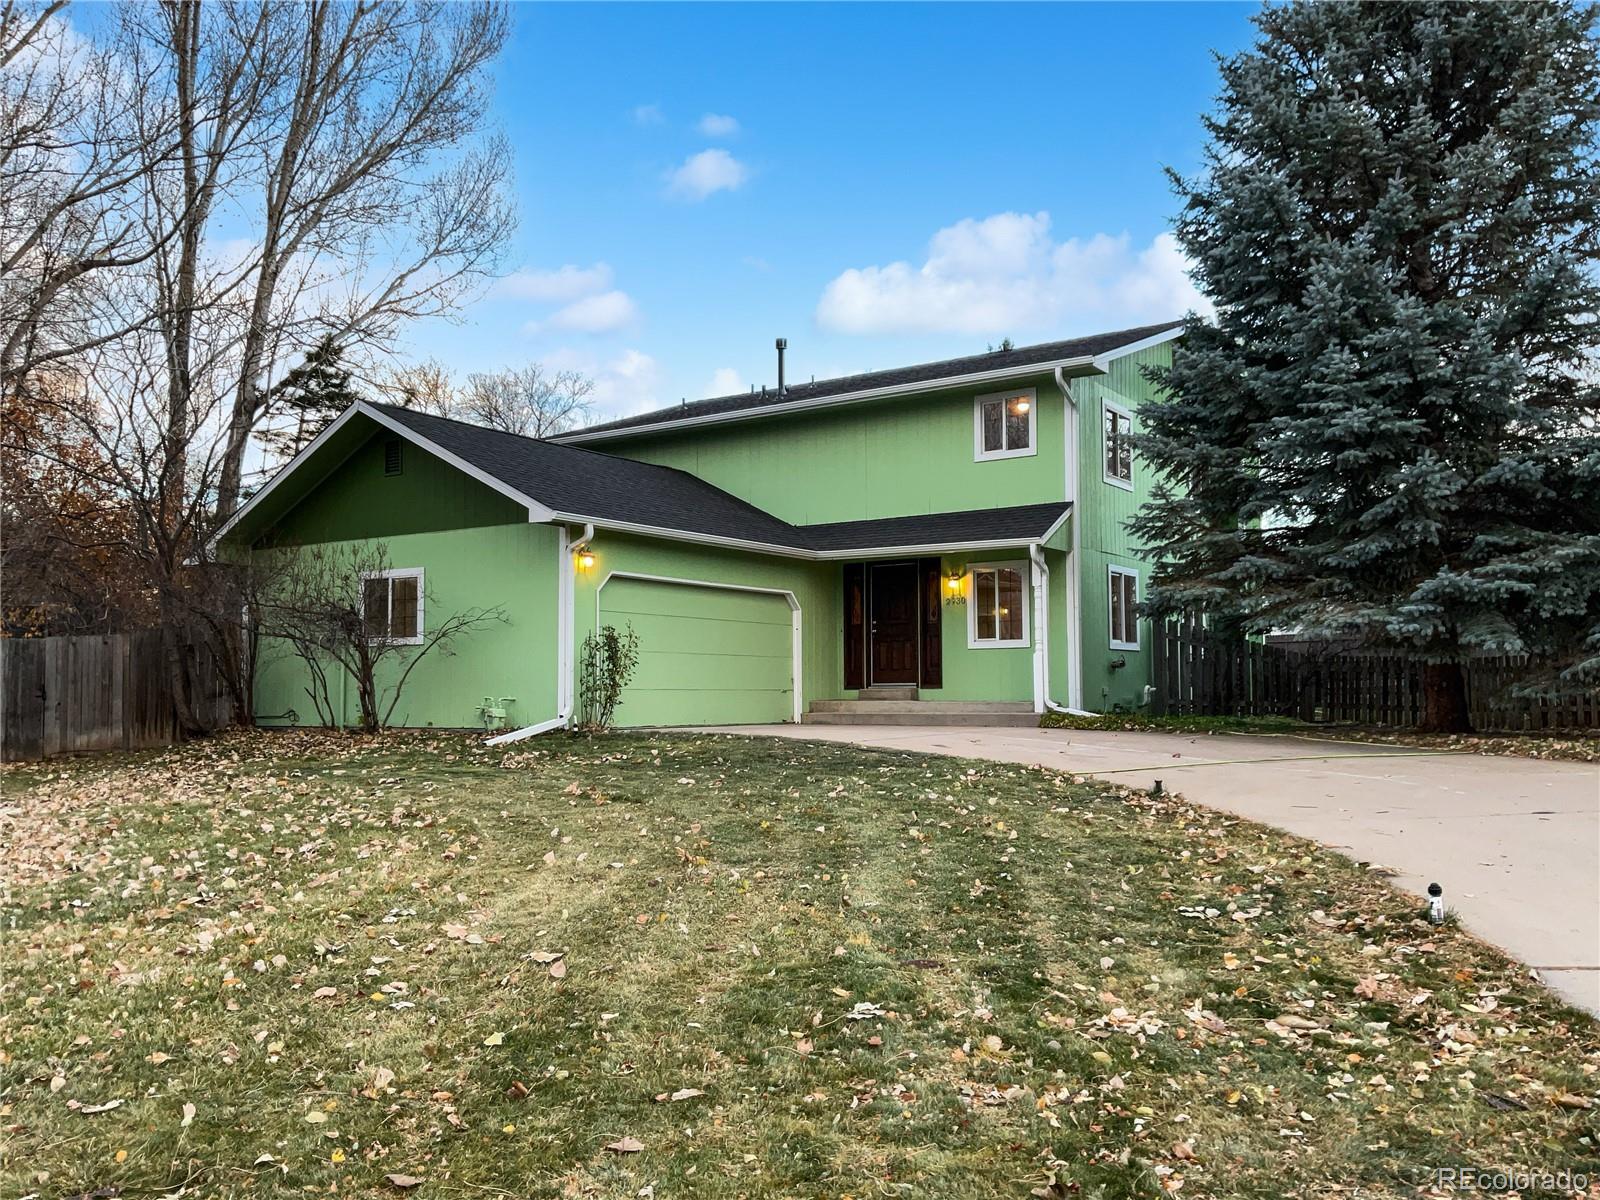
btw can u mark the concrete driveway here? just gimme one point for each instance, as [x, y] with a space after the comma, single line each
[1514, 842]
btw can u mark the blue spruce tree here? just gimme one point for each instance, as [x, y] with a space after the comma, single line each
[1387, 434]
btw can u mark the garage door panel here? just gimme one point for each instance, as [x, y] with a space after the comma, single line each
[729, 636]
[706, 655]
[680, 669]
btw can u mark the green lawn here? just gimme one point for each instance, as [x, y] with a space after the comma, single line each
[290, 964]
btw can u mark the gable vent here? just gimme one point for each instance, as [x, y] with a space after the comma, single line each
[391, 457]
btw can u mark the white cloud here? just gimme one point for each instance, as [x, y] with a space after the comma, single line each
[624, 385]
[605, 312]
[1005, 274]
[724, 382]
[552, 287]
[704, 173]
[718, 125]
[648, 114]
[589, 304]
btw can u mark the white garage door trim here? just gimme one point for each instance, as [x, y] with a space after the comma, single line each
[789, 597]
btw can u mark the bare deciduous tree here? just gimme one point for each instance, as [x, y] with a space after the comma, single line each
[358, 230]
[532, 400]
[340, 609]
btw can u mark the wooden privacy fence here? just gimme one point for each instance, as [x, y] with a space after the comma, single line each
[62, 695]
[1199, 672]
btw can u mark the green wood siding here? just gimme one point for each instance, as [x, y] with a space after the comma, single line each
[357, 500]
[476, 549]
[890, 458]
[707, 656]
[1104, 540]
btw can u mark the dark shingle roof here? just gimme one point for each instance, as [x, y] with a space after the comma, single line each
[604, 487]
[1024, 523]
[587, 483]
[1018, 359]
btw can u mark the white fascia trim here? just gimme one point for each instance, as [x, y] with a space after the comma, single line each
[537, 512]
[711, 539]
[1103, 361]
[680, 535]
[795, 616]
[282, 473]
[899, 389]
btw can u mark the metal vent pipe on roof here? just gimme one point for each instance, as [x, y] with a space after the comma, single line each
[782, 345]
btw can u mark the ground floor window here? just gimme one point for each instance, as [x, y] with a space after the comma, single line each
[997, 610]
[1124, 608]
[391, 605]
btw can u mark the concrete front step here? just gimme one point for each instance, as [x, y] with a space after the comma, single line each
[874, 715]
[921, 706]
[889, 691]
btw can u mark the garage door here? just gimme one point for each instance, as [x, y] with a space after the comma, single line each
[707, 656]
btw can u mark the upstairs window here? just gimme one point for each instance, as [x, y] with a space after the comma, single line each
[391, 605]
[997, 611]
[1124, 608]
[1118, 445]
[1005, 423]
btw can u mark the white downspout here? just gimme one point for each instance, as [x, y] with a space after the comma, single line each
[1074, 566]
[566, 602]
[1041, 639]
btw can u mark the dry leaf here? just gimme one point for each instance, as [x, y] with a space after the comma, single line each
[404, 1182]
[494, 1039]
[188, 1116]
[89, 1110]
[325, 993]
[627, 1145]
[558, 969]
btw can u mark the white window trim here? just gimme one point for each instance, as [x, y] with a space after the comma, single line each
[1019, 565]
[1111, 582]
[397, 573]
[1112, 406]
[978, 452]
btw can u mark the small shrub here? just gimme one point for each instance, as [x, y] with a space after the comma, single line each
[606, 664]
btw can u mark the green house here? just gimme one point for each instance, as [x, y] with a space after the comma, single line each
[937, 543]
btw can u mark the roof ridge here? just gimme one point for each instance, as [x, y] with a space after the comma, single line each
[753, 402]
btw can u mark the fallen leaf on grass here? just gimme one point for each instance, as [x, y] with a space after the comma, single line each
[1572, 1100]
[325, 993]
[680, 1094]
[627, 1145]
[89, 1110]
[494, 1039]
[404, 1182]
[558, 969]
[188, 1116]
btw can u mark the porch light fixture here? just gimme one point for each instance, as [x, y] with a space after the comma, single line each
[585, 559]
[953, 582]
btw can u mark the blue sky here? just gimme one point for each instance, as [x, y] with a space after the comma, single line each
[852, 135]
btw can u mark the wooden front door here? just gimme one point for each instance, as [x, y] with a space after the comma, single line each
[893, 643]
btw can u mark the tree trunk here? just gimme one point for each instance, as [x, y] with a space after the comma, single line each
[1444, 699]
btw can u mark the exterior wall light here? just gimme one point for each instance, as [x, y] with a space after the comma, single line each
[585, 559]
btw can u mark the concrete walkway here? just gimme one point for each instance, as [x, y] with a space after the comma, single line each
[1514, 842]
